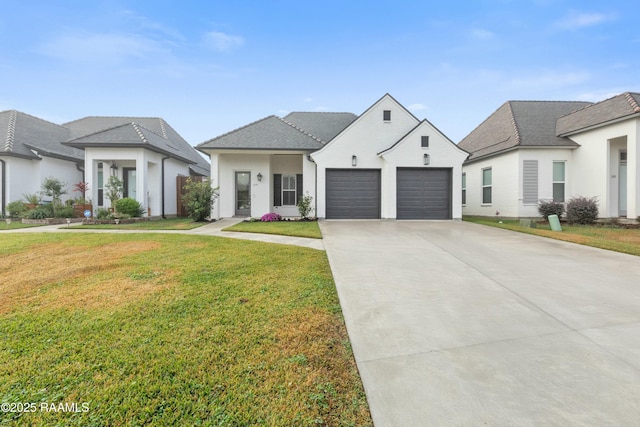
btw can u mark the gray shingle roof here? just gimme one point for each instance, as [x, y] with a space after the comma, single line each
[615, 108]
[21, 133]
[520, 124]
[323, 125]
[269, 133]
[163, 137]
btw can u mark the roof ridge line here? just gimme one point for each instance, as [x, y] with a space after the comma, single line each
[162, 127]
[139, 132]
[632, 102]
[515, 125]
[11, 131]
[304, 132]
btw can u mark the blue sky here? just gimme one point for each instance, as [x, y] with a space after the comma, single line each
[208, 67]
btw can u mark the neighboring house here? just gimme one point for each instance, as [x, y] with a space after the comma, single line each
[30, 152]
[146, 153]
[384, 163]
[528, 151]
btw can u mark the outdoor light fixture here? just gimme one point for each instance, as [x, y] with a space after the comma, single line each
[426, 159]
[68, 222]
[117, 221]
[354, 160]
[259, 176]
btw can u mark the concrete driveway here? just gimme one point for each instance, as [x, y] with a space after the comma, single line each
[457, 324]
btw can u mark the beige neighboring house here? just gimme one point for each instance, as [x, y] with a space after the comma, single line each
[528, 151]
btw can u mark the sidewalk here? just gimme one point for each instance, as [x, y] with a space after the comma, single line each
[211, 229]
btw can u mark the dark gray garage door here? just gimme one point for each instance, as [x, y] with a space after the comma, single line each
[423, 193]
[353, 193]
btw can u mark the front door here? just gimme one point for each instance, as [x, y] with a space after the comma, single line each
[622, 185]
[243, 193]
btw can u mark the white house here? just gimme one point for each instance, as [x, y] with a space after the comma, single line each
[30, 152]
[529, 151]
[146, 153]
[384, 163]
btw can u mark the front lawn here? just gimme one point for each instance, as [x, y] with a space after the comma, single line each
[15, 224]
[154, 224]
[284, 228]
[157, 329]
[604, 236]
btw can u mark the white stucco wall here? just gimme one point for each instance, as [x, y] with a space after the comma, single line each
[408, 153]
[364, 138]
[595, 166]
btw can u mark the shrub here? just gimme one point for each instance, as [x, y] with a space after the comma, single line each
[41, 212]
[102, 213]
[304, 205]
[271, 217]
[550, 207]
[16, 209]
[129, 206]
[65, 212]
[199, 199]
[113, 189]
[582, 210]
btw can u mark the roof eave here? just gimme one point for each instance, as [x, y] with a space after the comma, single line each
[518, 147]
[598, 125]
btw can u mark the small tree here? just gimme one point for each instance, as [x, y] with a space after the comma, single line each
[114, 189]
[199, 199]
[82, 188]
[54, 188]
[304, 205]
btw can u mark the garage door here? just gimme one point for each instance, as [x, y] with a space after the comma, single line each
[353, 193]
[423, 193]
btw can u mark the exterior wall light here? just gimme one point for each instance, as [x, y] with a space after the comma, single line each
[426, 159]
[354, 160]
[259, 176]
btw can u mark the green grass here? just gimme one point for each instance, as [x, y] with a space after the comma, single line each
[159, 224]
[156, 329]
[603, 236]
[285, 228]
[15, 224]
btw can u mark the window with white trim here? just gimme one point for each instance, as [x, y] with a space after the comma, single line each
[288, 190]
[486, 186]
[559, 181]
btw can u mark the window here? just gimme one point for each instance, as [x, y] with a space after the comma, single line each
[530, 182]
[558, 181]
[100, 185]
[386, 115]
[288, 190]
[486, 186]
[424, 141]
[464, 188]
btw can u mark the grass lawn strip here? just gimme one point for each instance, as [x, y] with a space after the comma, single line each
[160, 224]
[599, 236]
[173, 330]
[308, 229]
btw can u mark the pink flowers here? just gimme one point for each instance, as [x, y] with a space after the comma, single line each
[270, 217]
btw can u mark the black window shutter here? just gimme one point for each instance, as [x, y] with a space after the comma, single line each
[298, 187]
[277, 189]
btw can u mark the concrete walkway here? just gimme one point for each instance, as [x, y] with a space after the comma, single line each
[457, 324]
[211, 229]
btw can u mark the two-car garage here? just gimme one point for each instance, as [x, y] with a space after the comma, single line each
[421, 193]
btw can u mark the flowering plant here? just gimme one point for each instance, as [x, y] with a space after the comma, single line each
[271, 217]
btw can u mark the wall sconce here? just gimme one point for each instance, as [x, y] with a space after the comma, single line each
[354, 160]
[114, 169]
[426, 159]
[259, 176]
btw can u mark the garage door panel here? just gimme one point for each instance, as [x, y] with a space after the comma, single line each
[353, 193]
[423, 193]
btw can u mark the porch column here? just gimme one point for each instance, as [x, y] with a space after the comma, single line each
[142, 187]
[633, 172]
[215, 182]
[309, 181]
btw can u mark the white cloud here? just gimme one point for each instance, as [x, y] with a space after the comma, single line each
[101, 48]
[482, 34]
[222, 42]
[577, 20]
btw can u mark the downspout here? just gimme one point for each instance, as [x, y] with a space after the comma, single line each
[4, 188]
[162, 190]
[81, 169]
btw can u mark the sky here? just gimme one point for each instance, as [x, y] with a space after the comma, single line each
[209, 67]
